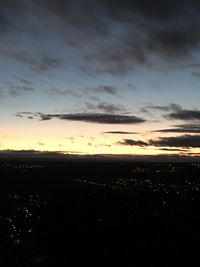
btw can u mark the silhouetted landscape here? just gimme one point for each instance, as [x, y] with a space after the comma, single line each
[96, 213]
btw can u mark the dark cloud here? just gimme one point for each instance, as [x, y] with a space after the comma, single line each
[119, 132]
[130, 142]
[86, 117]
[183, 128]
[185, 141]
[185, 115]
[105, 107]
[169, 29]
[176, 112]
[170, 107]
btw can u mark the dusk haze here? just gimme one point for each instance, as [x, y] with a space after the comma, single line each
[100, 77]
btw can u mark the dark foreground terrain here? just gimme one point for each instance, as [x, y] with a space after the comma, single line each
[98, 214]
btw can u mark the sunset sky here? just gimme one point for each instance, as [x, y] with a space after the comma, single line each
[100, 76]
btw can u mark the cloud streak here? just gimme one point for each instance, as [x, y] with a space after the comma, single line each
[102, 118]
[102, 89]
[183, 128]
[170, 107]
[184, 141]
[17, 90]
[119, 132]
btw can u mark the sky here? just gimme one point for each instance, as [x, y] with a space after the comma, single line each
[100, 77]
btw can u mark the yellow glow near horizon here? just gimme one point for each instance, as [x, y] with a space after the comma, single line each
[79, 138]
[80, 146]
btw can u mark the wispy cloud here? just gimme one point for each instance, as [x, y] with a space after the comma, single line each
[22, 80]
[170, 107]
[105, 107]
